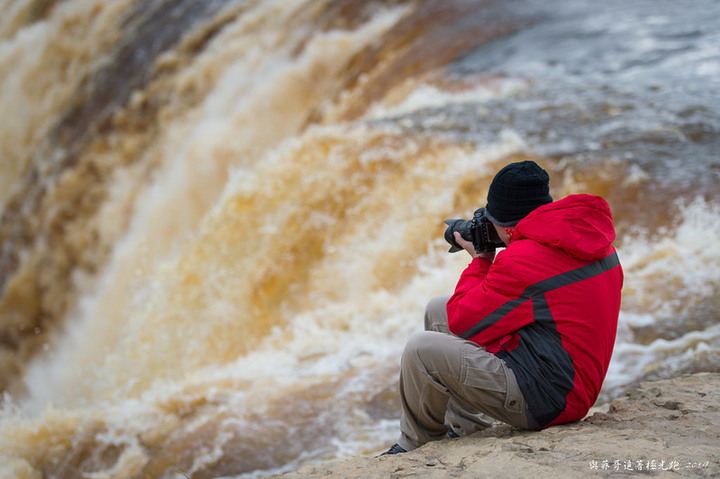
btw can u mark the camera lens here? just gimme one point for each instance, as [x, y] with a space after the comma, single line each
[462, 227]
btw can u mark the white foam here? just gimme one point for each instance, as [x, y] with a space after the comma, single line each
[666, 278]
[426, 96]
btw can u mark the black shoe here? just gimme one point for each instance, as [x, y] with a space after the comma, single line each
[396, 449]
[452, 434]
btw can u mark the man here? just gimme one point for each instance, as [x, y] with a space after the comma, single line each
[527, 336]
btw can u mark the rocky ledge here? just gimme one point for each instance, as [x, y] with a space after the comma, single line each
[668, 428]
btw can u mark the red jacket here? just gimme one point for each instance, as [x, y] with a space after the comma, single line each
[548, 305]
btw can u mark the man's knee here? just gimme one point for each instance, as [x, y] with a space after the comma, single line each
[434, 350]
[438, 304]
[418, 343]
[436, 314]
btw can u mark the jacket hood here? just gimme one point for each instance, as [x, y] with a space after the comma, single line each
[581, 225]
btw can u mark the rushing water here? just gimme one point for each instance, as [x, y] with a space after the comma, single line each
[221, 220]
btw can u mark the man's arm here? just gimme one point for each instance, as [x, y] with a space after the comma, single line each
[483, 288]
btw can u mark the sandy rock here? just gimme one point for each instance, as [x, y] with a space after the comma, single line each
[668, 428]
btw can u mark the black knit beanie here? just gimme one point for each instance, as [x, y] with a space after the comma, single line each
[515, 191]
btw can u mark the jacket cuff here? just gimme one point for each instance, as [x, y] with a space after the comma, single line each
[480, 265]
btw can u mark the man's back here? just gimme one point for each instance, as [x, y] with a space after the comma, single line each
[548, 305]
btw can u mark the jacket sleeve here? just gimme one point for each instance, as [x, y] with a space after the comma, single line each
[481, 292]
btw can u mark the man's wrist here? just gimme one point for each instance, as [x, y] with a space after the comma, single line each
[490, 256]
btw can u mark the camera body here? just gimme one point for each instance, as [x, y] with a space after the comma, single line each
[479, 230]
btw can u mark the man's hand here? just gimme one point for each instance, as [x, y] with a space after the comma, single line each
[468, 246]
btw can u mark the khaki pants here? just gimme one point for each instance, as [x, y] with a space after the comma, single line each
[446, 381]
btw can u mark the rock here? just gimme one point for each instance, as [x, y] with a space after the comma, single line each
[668, 428]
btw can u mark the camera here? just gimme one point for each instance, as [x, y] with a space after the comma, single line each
[479, 230]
